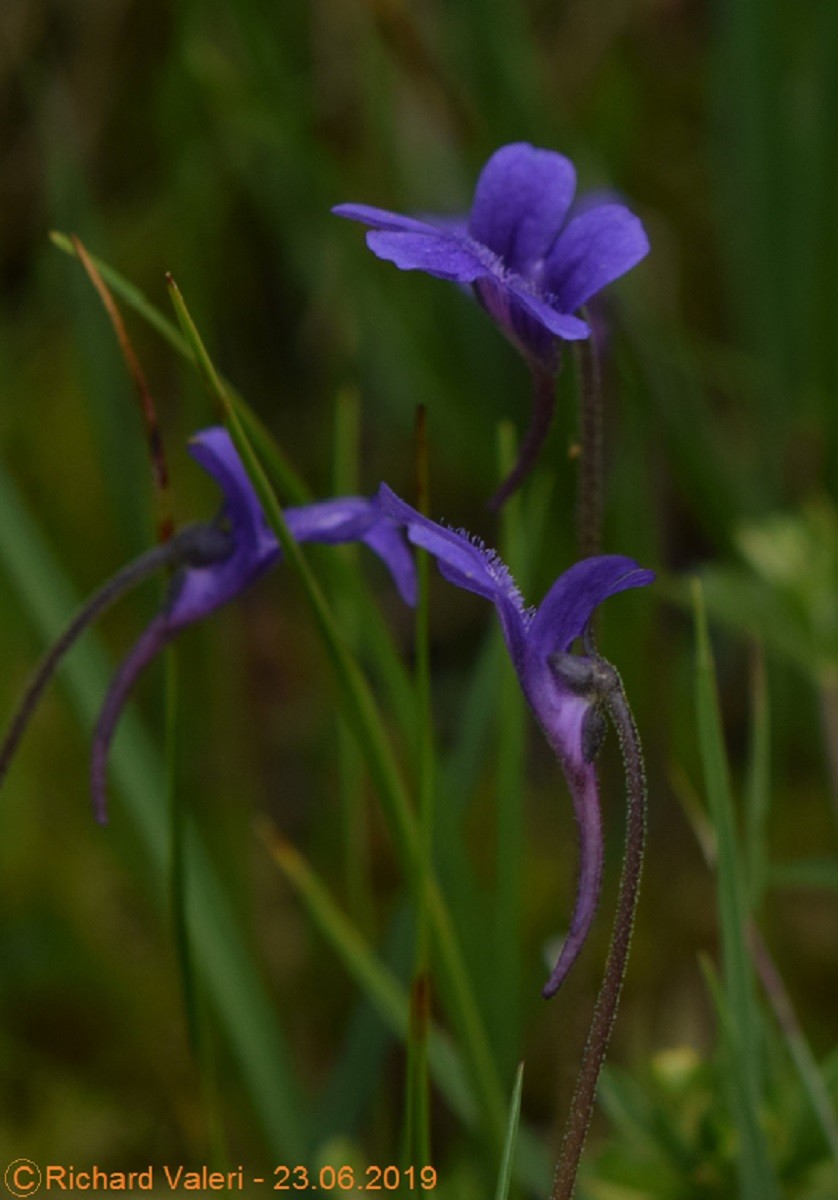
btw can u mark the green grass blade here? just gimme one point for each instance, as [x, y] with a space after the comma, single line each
[361, 713]
[417, 1120]
[505, 1176]
[104, 389]
[758, 786]
[355, 1079]
[377, 640]
[281, 469]
[378, 982]
[178, 886]
[356, 861]
[391, 998]
[811, 1077]
[806, 873]
[814, 1084]
[231, 977]
[511, 736]
[757, 1178]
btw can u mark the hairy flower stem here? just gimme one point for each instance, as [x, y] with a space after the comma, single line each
[612, 696]
[195, 544]
[589, 504]
[544, 405]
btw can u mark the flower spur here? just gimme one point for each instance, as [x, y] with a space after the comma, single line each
[213, 562]
[564, 691]
[531, 256]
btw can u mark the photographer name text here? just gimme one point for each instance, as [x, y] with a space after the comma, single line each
[25, 1178]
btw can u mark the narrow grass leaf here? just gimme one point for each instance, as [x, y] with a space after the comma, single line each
[505, 1176]
[814, 1084]
[391, 998]
[362, 714]
[806, 873]
[361, 1062]
[417, 1122]
[509, 792]
[757, 1178]
[233, 980]
[281, 469]
[377, 640]
[758, 784]
[353, 800]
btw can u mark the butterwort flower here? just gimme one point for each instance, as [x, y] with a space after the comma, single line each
[531, 256]
[539, 641]
[214, 562]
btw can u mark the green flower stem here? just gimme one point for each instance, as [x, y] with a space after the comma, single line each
[351, 773]
[511, 738]
[197, 1023]
[417, 1139]
[361, 711]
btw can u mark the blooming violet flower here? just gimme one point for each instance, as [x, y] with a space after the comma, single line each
[538, 641]
[531, 255]
[215, 563]
[202, 588]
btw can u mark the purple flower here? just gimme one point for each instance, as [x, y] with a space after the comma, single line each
[531, 260]
[531, 255]
[217, 572]
[538, 641]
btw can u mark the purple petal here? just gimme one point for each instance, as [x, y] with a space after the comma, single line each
[332, 522]
[357, 519]
[154, 639]
[529, 322]
[567, 608]
[201, 590]
[213, 449]
[562, 324]
[593, 249]
[387, 541]
[520, 202]
[466, 564]
[583, 787]
[441, 254]
[381, 218]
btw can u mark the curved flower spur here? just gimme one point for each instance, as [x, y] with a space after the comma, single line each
[531, 256]
[214, 562]
[566, 692]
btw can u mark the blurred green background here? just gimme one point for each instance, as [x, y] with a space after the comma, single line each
[210, 139]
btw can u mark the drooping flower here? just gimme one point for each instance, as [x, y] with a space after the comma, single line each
[531, 256]
[214, 563]
[539, 641]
